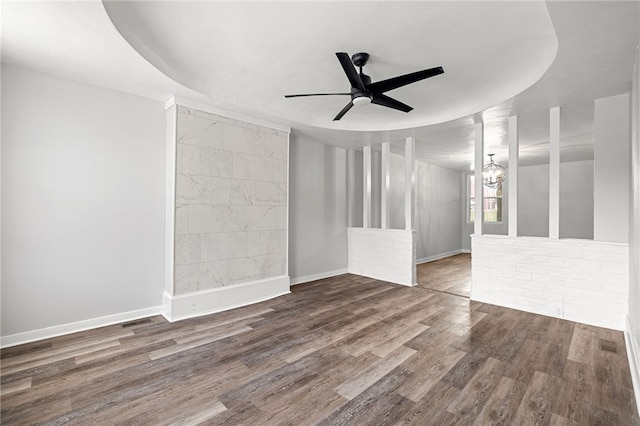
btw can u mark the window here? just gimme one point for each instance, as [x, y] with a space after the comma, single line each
[492, 202]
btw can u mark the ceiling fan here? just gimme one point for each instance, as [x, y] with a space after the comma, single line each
[363, 91]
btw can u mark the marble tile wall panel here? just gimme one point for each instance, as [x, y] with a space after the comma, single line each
[231, 202]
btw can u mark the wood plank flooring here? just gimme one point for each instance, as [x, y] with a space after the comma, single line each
[449, 275]
[344, 350]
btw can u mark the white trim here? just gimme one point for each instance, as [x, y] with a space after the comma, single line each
[74, 327]
[409, 183]
[320, 276]
[385, 206]
[513, 176]
[440, 256]
[222, 298]
[633, 354]
[479, 188]
[465, 251]
[171, 115]
[366, 187]
[176, 100]
[554, 173]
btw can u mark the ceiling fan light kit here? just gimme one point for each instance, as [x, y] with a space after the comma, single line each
[364, 92]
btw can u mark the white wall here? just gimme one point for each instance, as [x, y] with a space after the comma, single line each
[317, 209]
[82, 202]
[579, 280]
[611, 178]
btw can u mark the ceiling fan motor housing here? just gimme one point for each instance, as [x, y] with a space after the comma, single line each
[360, 59]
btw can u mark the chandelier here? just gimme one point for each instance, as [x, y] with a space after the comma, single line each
[493, 174]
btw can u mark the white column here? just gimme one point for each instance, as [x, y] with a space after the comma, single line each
[409, 182]
[386, 182]
[351, 185]
[513, 176]
[171, 122]
[478, 187]
[554, 172]
[366, 187]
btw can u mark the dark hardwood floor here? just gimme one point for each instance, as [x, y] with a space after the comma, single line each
[344, 350]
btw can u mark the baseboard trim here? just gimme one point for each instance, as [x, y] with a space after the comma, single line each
[440, 256]
[614, 325]
[320, 276]
[220, 299]
[465, 251]
[74, 327]
[633, 354]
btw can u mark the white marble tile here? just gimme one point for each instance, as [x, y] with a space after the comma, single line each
[281, 217]
[200, 276]
[275, 145]
[187, 249]
[256, 268]
[242, 139]
[196, 130]
[234, 192]
[181, 220]
[246, 166]
[224, 245]
[274, 264]
[280, 171]
[255, 218]
[193, 189]
[266, 242]
[203, 161]
[211, 218]
[271, 193]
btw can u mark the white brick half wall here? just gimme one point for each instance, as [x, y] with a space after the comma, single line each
[579, 280]
[383, 254]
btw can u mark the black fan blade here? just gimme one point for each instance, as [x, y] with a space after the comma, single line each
[316, 94]
[344, 111]
[384, 100]
[350, 71]
[403, 80]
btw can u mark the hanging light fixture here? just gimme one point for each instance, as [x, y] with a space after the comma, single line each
[493, 174]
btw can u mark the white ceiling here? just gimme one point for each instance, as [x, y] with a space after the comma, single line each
[500, 59]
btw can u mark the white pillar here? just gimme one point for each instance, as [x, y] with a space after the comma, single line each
[409, 182]
[366, 187]
[478, 187]
[351, 185]
[513, 176]
[554, 172]
[386, 182]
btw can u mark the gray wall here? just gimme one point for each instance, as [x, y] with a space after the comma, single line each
[439, 219]
[82, 201]
[438, 200]
[611, 134]
[533, 201]
[317, 208]
[576, 203]
[576, 200]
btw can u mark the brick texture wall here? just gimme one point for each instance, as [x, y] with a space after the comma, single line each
[580, 280]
